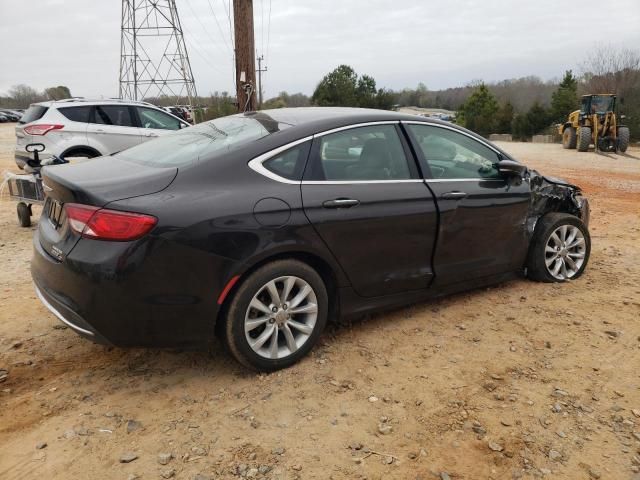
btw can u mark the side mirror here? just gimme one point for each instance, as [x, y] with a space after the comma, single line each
[511, 168]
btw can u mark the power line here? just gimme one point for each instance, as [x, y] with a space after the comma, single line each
[202, 25]
[215, 17]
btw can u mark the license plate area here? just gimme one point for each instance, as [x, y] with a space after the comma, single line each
[54, 211]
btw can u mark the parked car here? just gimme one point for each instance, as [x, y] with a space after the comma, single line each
[10, 115]
[3, 119]
[86, 128]
[263, 226]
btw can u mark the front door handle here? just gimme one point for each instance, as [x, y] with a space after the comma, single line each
[454, 195]
[151, 134]
[341, 203]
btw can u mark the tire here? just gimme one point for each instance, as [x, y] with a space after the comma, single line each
[24, 214]
[569, 138]
[254, 290]
[584, 139]
[546, 254]
[623, 139]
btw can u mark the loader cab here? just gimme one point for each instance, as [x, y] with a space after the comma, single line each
[597, 104]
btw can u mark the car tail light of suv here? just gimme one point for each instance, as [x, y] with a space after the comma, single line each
[103, 224]
[42, 129]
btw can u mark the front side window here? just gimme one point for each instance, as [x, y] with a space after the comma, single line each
[117, 115]
[451, 155]
[362, 154]
[151, 118]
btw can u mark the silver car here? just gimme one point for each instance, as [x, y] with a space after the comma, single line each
[90, 128]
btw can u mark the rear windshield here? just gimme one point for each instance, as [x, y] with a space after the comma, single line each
[33, 113]
[191, 144]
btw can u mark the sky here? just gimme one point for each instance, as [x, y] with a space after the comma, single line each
[441, 43]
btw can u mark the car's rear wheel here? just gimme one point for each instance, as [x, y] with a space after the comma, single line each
[560, 248]
[276, 315]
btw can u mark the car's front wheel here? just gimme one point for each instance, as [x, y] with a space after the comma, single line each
[560, 248]
[276, 315]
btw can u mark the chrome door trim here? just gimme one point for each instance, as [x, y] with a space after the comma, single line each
[256, 163]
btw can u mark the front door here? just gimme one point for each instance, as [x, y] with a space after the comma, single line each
[362, 193]
[482, 214]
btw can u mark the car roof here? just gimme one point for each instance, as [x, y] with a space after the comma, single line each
[87, 101]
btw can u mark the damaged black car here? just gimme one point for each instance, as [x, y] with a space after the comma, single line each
[261, 227]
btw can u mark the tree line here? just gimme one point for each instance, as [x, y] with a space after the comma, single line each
[522, 107]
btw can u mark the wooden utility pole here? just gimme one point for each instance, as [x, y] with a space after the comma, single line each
[260, 70]
[245, 60]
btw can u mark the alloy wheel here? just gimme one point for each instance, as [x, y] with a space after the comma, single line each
[565, 252]
[281, 317]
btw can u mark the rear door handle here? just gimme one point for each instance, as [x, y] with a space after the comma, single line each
[341, 203]
[454, 195]
[151, 134]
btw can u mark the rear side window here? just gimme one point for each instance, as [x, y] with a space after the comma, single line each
[33, 113]
[119, 115]
[361, 154]
[289, 164]
[76, 114]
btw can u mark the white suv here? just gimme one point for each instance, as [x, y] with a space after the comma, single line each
[90, 128]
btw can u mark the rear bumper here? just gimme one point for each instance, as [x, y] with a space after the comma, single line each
[68, 316]
[151, 293]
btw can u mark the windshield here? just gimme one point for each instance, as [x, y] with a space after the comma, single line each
[601, 104]
[191, 144]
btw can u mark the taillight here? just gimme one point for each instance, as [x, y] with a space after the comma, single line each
[103, 224]
[42, 129]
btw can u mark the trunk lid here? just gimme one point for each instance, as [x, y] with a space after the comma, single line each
[95, 182]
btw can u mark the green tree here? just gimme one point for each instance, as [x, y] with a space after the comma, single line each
[337, 88]
[565, 99]
[531, 123]
[344, 88]
[478, 112]
[58, 93]
[504, 118]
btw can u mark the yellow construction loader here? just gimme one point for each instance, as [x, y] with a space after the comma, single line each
[595, 124]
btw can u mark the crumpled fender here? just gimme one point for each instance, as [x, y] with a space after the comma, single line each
[550, 194]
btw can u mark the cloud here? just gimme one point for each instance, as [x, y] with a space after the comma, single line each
[440, 42]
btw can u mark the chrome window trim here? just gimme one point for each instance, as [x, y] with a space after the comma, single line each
[358, 182]
[477, 179]
[356, 125]
[257, 166]
[447, 127]
[59, 315]
[256, 163]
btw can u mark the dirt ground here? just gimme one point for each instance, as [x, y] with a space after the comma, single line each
[524, 380]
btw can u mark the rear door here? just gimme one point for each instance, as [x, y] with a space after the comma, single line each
[154, 123]
[362, 193]
[482, 214]
[112, 128]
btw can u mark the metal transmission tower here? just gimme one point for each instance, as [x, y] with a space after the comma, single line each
[153, 55]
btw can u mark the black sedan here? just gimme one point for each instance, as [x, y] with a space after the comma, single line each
[261, 227]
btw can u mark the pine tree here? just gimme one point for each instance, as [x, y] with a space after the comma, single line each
[565, 99]
[478, 112]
